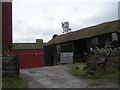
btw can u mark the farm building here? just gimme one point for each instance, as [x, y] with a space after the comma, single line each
[30, 54]
[73, 46]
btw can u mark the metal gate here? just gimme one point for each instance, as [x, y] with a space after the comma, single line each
[66, 57]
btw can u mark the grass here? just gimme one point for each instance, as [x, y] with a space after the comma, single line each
[104, 75]
[14, 83]
[77, 72]
[98, 75]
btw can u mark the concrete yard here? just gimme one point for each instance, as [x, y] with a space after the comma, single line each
[58, 77]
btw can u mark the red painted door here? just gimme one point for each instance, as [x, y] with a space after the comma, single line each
[30, 61]
[30, 58]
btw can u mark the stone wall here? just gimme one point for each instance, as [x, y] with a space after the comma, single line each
[103, 59]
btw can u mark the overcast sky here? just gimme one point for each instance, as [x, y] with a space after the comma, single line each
[41, 19]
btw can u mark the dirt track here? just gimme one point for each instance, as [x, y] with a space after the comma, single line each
[58, 77]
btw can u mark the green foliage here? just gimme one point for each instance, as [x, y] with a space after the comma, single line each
[76, 69]
[14, 83]
[77, 72]
[97, 75]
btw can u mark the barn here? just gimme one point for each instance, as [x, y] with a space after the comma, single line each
[73, 46]
[30, 54]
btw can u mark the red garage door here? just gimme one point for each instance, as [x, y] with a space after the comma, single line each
[30, 58]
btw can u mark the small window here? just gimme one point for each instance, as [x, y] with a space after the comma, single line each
[114, 37]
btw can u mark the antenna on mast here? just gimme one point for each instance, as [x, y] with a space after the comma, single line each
[65, 26]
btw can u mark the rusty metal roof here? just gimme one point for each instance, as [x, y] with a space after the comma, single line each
[92, 31]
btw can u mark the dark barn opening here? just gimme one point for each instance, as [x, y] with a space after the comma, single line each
[79, 50]
[50, 53]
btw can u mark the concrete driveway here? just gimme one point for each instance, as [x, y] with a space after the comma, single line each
[58, 77]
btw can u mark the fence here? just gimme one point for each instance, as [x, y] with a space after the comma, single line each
[10, 66]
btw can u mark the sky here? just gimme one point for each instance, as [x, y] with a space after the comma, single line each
[41, 19]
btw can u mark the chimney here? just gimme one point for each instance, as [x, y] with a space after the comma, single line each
[39, 41]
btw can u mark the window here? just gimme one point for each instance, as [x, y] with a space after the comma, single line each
[114, 37]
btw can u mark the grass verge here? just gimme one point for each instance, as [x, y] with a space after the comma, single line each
[98, 75]
[14, 83]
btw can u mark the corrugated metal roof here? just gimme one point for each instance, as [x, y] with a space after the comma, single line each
[37, 45]
[87, 32]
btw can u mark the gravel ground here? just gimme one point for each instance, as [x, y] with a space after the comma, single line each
[58, 77]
